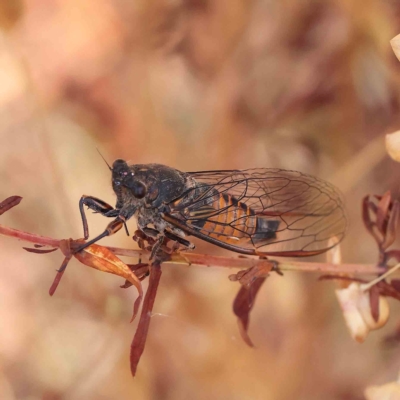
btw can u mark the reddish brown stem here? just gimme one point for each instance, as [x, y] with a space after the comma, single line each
[58, 276]
[140, 337]
[207, 260]
[29, 237]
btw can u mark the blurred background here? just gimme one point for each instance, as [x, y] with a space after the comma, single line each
[197, 85]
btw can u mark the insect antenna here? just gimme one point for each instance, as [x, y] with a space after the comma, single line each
[101, 155]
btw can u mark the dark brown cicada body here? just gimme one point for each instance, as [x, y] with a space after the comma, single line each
[261, 211]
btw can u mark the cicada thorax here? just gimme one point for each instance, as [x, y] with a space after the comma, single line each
[223, 217]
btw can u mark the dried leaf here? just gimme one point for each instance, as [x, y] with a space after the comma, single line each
[382, 213]
[392, 142]
[393, 254]
[369, 224]
[374, 302]
[139, 340]
[374, 318]
[392, 225]
[356, 306]
[105, 260]
[9, 203]
[386, 289]
[39, 251]
[141, 270]
[381, 221]
[396, 284]
[243, 304]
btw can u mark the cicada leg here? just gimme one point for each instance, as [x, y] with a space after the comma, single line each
[98, 206]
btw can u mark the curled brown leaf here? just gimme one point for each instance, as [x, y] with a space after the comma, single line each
[383, 211]
[381, 218]
[39, 251]
[105, 260]
[374, 302]
[243, 304]
[251, 280]
[392, 225]
[9, 203]
[141, 270]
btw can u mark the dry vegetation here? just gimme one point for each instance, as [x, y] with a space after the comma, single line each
[195, 84]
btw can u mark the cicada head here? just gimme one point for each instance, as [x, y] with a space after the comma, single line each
[123, 176]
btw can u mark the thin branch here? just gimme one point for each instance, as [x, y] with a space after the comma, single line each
[286, 265]
[29, 237]
[216, 261]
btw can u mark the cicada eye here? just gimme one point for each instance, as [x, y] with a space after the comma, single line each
[139, 190]
[118, 162]
[119, 167]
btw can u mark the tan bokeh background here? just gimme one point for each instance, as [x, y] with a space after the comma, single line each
[194, 84]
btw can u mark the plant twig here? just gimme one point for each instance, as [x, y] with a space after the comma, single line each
[29, 237]
[139, 340]
[217, 261]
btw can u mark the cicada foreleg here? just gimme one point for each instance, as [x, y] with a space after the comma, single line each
[113, 227]
[98, 206]
[105, 209]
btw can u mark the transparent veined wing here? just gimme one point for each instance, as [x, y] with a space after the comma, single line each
[261, 211]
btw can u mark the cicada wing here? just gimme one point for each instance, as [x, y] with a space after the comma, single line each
[262, 211]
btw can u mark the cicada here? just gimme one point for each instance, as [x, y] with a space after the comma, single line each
[262, 211]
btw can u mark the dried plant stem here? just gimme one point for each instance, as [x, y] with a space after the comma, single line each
[139, 340]
[217, 261]
[286, 265]
[29, 237]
